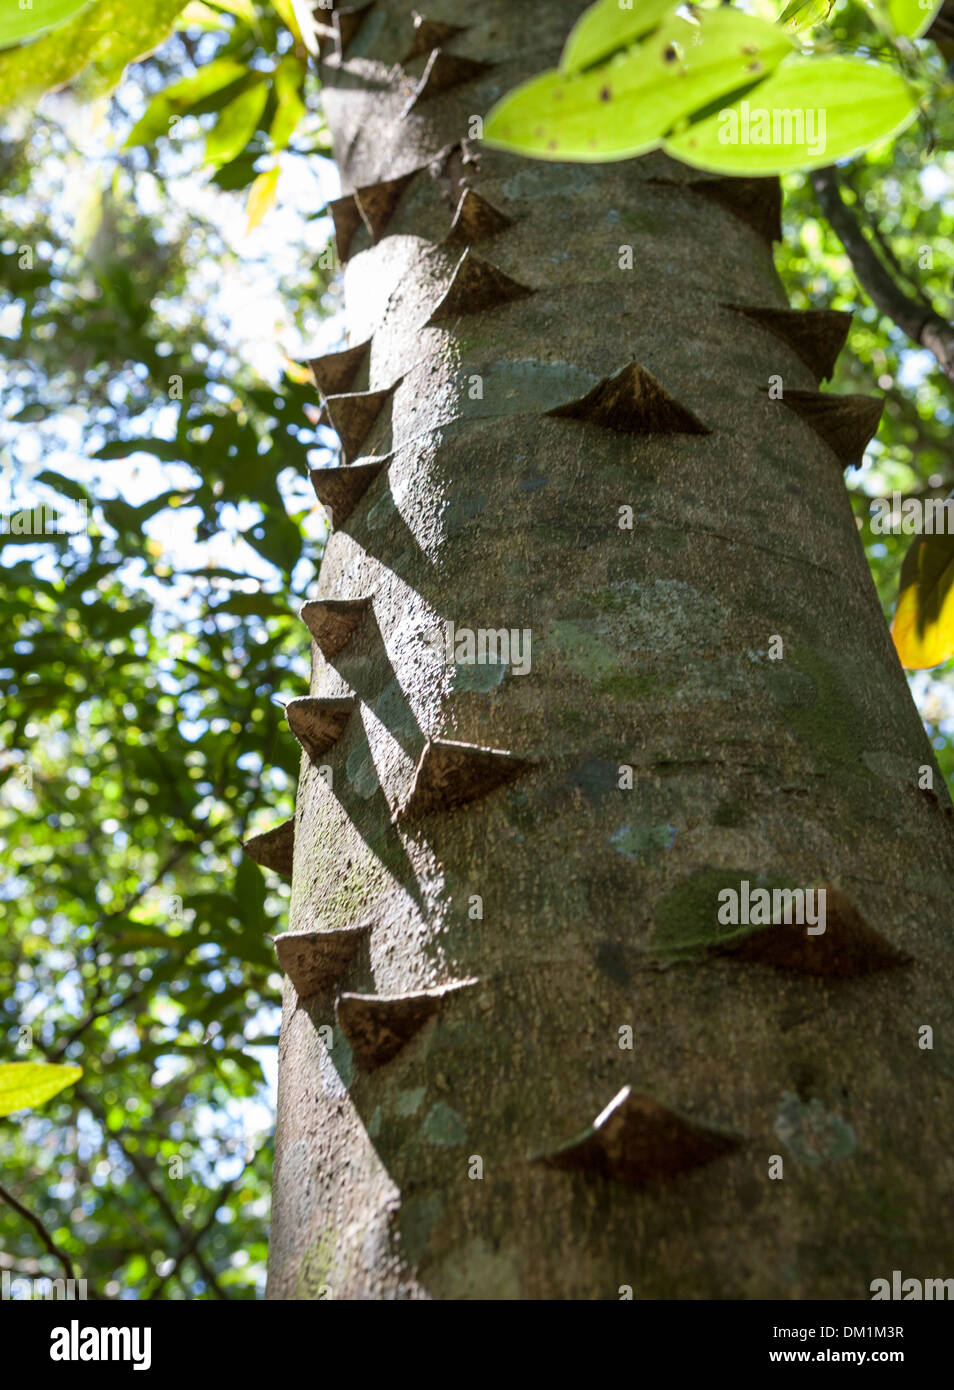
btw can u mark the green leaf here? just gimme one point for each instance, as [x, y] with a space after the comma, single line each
[250, 895]
[277, 539]
[811, 112]
[803, 14]
[18, 24]
[627, 105]
[169, 450]
[238, 173]
[68, 486]
[181, 97]
[606, 27]
[197, 15]
[262, 605]
[237, 124]
[287, 83]
[923, 626]
[909, 17]
[152, 938]
[32, 413]
[91, 50]
[24, 1085]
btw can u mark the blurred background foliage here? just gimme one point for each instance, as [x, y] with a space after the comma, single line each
[155, 401]
[164, 272]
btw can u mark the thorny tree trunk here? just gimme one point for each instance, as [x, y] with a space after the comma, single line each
[650, 648]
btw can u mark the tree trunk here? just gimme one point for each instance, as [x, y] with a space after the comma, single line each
[502, 922]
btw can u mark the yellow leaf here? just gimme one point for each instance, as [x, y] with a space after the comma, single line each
[26, 1084]
[261, 195]
[923, 626]
[297, 372]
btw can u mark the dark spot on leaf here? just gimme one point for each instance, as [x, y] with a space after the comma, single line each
[670, 53]
[748, 48]
[552, 145]
[605, 94]
[753, 67]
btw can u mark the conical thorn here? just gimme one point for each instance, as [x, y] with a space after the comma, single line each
[341, 489]
[816, 335]
[475, 285]
[378, 1026]
[428, 35]
[756, 201]
[449, 774]
[633, 402]
[352, 416]
[274, 849]
[848, 947]
[347, 22]
[475, 220]
[377, 202]
[347, 219]
[314, 960]
[318, 722]
[847, 424]
[636, 1140]
[331, 621]
[444, 71]
[334, 373]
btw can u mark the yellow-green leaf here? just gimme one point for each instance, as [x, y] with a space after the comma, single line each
[261, 195]
[182, 96]
[910, 17]
[625, 106]
[197, 15]
[24, 1085]
[90, 50]
[241, 9]
[287, 83]
[803, 14]
[606, 27]
[811, 112]
[923, 626]
[17, 24]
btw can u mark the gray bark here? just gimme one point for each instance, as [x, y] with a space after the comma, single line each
[650, 648]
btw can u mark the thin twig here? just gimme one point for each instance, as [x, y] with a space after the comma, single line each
[142, 1172]
[926, 328]
[41, 1231]
[189, 1246]
[92, 1016]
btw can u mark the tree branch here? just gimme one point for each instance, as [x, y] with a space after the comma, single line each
[887, 250]
[942, 26]
[41, 1231]
[181, 848]
[189, 1246]
[923, 326]
[92, 1016]
[142, 1172]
